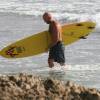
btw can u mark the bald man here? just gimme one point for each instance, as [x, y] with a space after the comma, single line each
[56, 52]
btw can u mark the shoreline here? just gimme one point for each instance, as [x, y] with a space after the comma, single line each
[29, 87]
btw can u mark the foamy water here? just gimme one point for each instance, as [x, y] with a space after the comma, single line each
[62, 9]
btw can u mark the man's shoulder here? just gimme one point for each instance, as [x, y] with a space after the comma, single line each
[54, 23]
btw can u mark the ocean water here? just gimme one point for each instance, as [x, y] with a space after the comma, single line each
[22, 18]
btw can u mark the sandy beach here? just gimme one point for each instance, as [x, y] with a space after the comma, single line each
[29, 87]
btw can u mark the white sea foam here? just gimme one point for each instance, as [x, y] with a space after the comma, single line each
[69, 10]
[91, 67]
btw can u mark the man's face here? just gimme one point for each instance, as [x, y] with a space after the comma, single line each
[47, 18]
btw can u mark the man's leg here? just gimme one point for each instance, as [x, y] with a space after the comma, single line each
[62, 64]
[51, 63]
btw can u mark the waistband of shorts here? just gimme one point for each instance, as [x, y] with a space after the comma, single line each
[58, 42]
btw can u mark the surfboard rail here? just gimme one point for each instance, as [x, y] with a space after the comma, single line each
[39, 42]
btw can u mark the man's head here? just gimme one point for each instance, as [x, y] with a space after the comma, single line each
[47, 17]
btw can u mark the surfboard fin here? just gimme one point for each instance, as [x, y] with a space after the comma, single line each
[79, 24]
[90, 27]
[83, 37]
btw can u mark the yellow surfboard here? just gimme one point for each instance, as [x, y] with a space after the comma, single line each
[39, 43]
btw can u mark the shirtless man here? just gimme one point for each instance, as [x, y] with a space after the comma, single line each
[56, 52]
